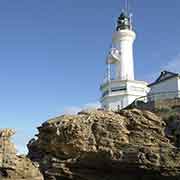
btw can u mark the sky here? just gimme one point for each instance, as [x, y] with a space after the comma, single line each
[52, 54]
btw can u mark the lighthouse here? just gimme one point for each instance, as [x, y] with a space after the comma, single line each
[119, 88]
[122, 48]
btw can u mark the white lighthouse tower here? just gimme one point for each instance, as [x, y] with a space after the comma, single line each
[119, 88]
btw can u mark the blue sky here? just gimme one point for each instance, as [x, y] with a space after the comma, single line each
[52, 54]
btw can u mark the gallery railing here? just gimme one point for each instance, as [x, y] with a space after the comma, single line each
[158, 96]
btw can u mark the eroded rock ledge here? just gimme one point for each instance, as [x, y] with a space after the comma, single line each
[13, 167]
[99, 145]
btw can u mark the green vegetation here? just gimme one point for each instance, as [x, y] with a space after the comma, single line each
[169, 114]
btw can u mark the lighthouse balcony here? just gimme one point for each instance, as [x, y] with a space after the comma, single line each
[118, 94]
[123, 87]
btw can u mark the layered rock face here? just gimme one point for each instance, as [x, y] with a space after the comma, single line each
[13, 167]
[99, 145]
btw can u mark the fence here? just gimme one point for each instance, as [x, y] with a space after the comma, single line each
[158, 100]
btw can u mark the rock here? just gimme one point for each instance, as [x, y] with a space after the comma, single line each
[129, 145]
[13, 167]
[172, 118]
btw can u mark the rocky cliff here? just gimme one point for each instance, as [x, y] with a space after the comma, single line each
[13, 167]
[99, 145]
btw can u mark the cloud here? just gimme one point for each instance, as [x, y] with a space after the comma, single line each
[71, 110]
[75, 109]
[23, 136]
[21, 149]
[21, 139]
[151, 77]
[91, 106]
[173, 65]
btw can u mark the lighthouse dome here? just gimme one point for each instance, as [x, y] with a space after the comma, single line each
[123, 22]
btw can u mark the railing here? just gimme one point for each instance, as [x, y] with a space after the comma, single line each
[158, 96]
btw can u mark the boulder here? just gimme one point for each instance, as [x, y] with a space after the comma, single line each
[98, 145]
[12, 166]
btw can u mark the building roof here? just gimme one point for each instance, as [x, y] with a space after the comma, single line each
[165, 75]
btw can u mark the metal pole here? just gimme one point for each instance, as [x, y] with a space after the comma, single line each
[126, 7]
[109, 78]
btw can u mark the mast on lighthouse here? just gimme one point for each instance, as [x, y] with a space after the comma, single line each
[121, 89]
[125, 19]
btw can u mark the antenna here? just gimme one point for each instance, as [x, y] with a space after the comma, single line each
[130, 20]
[127, 7]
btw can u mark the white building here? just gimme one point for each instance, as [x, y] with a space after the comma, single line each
[119, 88]
[166, 86]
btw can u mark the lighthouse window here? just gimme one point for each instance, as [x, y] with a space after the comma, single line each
[116, 89]
[119, 89]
